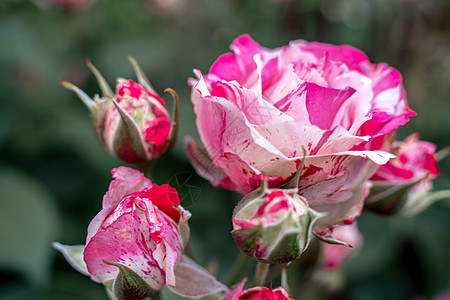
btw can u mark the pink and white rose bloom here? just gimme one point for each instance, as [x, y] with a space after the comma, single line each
[405, 180]
[141, 227]
[262, 111]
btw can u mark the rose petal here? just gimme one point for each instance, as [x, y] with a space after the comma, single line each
[126, 181]
[122, 242]
[243, 177]
[244, 48]
[165, 198]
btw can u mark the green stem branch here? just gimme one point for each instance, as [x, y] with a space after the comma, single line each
[284, 279]
[260, 274]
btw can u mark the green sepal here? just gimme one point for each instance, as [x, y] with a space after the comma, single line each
[241, 210]
[87, 101]
[422, 202]
[279, 254]
[194, 282]
[292, 239]
[329, 239]
[104, 86]
[74, 256]
[172, 138]
[246, 238]
[128, 138]
[315, 216]
[388, 199]
[128, 285]
[142, 78]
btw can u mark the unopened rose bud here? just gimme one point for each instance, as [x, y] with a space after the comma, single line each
[133, 123]
[273, 226]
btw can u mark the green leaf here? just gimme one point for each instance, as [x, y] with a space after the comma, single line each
[28, 225]
[128, 285]
[87, 101]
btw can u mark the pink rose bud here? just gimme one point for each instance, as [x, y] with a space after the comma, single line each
[404, 183]
[257, 293]
[260, 111]
[140, 234]
[132, 124]
[273, 226]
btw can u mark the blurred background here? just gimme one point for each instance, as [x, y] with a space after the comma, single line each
[53, 173]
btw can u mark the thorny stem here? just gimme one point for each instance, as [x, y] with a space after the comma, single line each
[260, 274]
[238, 269]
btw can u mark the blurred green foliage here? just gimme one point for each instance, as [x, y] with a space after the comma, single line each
[53, 173]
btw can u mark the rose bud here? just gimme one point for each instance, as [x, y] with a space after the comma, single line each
[137, 239]
[273, 226]
[257, 293]
[261, 111]
[403, 185]
[132, 124]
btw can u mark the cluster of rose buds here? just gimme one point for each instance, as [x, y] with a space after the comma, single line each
[305, 132]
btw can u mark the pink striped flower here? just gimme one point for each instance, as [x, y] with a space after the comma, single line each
[261, 111]
[141, 227]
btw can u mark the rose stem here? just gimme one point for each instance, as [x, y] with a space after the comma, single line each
[260, 273]
[284, 279]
